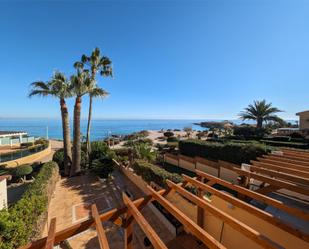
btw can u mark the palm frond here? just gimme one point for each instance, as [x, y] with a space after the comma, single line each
[38, 93]
[260, 110]
[98, 93]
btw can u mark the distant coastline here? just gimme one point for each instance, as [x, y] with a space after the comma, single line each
[101, 128]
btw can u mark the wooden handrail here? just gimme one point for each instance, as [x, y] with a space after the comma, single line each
[236, 224]
[100, 230]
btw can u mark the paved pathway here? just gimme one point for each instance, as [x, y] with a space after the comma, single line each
[55, 145]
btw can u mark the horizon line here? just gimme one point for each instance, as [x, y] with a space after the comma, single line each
[140, 118]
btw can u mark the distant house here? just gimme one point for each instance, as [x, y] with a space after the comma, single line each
[10, 138]
[304, 123]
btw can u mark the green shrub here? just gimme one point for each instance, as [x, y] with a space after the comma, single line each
[168, 134]
[58, 157]
[286, 144]
[249, 132]
[41, 141]
[28, 144]
[103, 167]
[297, 135]
[150, 172]
[172, 139]
[18, 224]
[99, 149]
[122, 151]
[231, 152]
[23, 170]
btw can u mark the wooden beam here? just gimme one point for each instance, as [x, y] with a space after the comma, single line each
[306, 152]
[112, 215]
[283, 159]
[284, 164]
[100, 230]
[294, 157]
[51, 235]
[168, 190]
[196, 230]
[259, 197]
[249, 208]
[295, 153]
[267, 189]
[276, 182]
[234, 223]
[156, 242]
[280, 175]
[281, 169]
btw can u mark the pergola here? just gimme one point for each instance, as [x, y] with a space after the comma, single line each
[131, 211]
[262, 170]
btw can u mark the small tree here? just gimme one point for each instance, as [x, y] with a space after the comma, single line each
[103, 167]
[22, 171]
[188, 130]
[168, 134]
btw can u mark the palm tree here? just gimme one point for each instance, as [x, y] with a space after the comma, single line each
[58, 87]
[81, 84]
[95, 63]
[261, 111]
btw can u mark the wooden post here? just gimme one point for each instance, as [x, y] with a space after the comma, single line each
[128, 234]
[200, 211]
[51, 235]
[100, 230]
[156, 242]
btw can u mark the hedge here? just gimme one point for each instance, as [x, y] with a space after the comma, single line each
[237, 153]
[19, 223]
[152, 173]
[286, 144]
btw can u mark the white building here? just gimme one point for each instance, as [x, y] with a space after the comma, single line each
[10, 138]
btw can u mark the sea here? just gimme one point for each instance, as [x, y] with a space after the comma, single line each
[100, 129]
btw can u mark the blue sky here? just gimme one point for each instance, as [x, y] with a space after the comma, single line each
[172, 59]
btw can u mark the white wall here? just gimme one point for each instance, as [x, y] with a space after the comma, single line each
[3, 194]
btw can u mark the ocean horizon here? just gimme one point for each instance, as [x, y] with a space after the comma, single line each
[101, 128]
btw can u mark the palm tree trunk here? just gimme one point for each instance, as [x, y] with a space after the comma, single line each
[259, 123]
[76, 167]
[67, 151]
[88, 145]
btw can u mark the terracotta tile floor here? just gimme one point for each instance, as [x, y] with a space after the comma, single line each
[72, 200]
